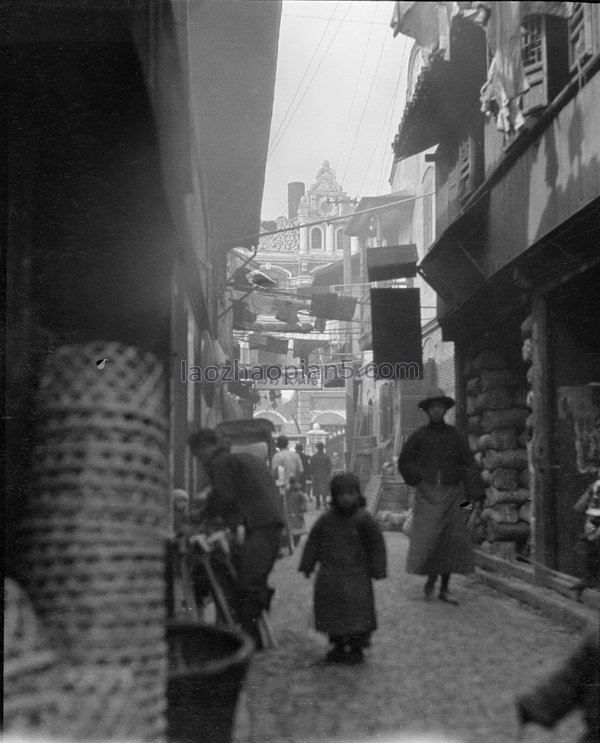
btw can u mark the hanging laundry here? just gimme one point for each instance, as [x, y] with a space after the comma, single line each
[426, 22]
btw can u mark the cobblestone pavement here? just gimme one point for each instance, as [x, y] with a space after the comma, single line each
[432, 667]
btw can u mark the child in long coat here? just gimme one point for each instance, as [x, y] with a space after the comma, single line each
[349, 548]
[297, 505]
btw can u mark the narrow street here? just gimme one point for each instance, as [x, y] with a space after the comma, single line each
[433, 667]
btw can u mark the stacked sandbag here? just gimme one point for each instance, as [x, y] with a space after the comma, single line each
[525, 510]
[497, 414]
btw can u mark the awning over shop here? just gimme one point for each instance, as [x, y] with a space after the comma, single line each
[392, 262]
[232, 107]
[448, 266]
[400, 205]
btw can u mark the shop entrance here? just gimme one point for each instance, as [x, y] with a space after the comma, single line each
[574, 344]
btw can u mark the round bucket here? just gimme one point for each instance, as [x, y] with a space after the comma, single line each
[207, 667]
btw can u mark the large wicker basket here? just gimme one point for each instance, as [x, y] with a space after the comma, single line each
[95, 527]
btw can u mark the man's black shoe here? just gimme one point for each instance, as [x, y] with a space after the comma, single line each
[354, 656]
[445, 596]
[336, 655]
[428, 590]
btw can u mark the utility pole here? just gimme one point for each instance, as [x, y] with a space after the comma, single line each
[348, 383]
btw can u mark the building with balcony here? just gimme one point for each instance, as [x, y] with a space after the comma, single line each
[508, 97]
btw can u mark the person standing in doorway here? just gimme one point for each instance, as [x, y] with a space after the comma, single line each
[320, 464]
[437, 461]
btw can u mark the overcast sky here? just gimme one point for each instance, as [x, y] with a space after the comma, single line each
[339, 96]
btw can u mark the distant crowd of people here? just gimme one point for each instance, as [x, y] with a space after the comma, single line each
[347, 550]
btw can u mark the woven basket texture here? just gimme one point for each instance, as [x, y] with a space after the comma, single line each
[94, 534]
[31, 700]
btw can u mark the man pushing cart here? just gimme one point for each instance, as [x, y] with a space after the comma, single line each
[243, 498]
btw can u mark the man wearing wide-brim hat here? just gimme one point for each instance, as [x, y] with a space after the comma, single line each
[437, 461]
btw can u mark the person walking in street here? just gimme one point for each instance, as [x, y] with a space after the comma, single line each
[349, 548]
[307, 472]
[244, 496]
[337, 464]
[289, 460]
[320, 464]
[297, 505]
[437, 461]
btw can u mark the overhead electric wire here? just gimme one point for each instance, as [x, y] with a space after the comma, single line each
[327, 220]
[276, 134]
[250, 173]
[385, 165]
[276, 143]
[348, 117]
[388, 114]
[364, 109]
[322, 18]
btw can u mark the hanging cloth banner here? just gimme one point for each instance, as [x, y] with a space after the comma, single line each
[396, 328]
[267, 343]
[277, 345]
[285, 311]
[243, 318]
[320, 325]
[333, 306]
[257, 341]
[280, 327]
[302, 348]
[392, 262]
[269, 357]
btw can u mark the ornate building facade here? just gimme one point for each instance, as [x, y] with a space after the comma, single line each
[302, 243]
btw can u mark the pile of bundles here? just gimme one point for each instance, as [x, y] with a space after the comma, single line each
[391, 521]
[497, 414]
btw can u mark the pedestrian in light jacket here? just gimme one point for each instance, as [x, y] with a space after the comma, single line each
[437, 461]
[349, 549]
[289, 460]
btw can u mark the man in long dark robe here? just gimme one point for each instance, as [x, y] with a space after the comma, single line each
[320, 465]
[243, 493]
[437, 461]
